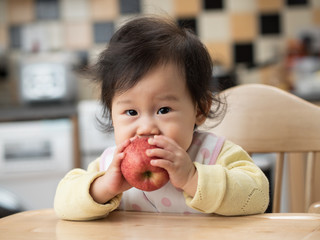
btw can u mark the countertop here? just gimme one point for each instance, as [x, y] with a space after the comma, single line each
[37, 112]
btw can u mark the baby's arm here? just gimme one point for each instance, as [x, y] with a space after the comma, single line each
[112, 182]
[233, 186]
[91, 194]
[72, 199]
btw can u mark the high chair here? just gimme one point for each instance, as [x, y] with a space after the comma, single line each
[266, 119]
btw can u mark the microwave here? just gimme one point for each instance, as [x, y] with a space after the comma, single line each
[35, 146]
[46, 78]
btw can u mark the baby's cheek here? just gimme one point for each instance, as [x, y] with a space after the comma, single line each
[184, 142]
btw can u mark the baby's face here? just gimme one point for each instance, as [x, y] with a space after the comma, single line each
[159, 104]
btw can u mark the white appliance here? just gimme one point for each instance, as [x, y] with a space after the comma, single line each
[46, 78]
[93, 140]
[34, 156]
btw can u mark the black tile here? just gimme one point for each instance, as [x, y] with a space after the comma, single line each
[270, 24]
[130, 6]
[213, 4]
[47, 9]
[297, 2]
[188, 23]
[243, 53]
[15, 36]
[103, 31]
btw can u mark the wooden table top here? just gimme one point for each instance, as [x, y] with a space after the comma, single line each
[44, 224]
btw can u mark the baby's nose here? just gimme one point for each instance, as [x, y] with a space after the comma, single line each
[148, 127]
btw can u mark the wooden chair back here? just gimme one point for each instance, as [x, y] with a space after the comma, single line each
[265, 119]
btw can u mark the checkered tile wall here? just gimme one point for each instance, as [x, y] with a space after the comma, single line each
[235, 31]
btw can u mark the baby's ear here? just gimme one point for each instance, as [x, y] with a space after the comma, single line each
[201, 117]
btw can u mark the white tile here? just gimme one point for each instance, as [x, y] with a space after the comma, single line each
[123, 19]
[75, 9]
[163, 7]
[295, 20]
[54, 35]
[34, 38]
[42, 36]
[241, 5]
[246, 75]
[214, 26]
[269, 48]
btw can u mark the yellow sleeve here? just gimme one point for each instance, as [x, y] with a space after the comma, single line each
[73, 200]
[233, 186]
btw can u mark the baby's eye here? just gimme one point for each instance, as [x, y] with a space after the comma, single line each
[131, 112]
[164, 110]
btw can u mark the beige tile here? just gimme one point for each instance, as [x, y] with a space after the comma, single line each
[315, 3]
[316, 16]
[241, 5]
[266, 74]
[104, 9]
[163, 7]
[78, 35]
[220, 52]
[20, 11]
[296, 20]
[274, 75]
[3, 12]
[270, 5]
[214, 26]
[187, 8]
[74, 9]
[243, 26]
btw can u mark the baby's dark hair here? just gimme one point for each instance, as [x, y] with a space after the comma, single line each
[149, 41]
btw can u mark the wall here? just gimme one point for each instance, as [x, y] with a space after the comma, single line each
[253, 32]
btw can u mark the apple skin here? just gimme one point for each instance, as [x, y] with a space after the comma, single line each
[138, 171]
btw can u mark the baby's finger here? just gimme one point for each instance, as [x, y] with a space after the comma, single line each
[160, 153]
[120, 148]
[162, 142]
[162, 163]
[133, 138]
[117, 158]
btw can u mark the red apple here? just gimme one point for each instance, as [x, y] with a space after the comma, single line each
[138, 171]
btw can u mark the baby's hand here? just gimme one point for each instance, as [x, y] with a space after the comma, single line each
[170, 156]
[112, 182]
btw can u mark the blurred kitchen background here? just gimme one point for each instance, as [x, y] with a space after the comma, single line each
[49, 108]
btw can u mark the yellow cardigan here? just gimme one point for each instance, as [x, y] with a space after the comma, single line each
[233, 186]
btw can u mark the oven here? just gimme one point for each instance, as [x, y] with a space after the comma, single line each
[33, 146]
[34, 157]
